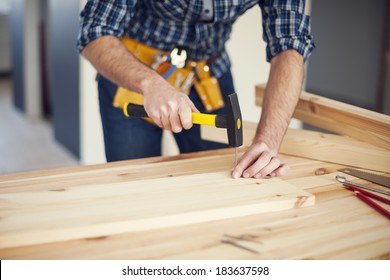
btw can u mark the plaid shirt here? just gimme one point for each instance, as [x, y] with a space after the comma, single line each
[176, 23]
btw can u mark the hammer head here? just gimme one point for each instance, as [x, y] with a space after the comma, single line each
[233, 121]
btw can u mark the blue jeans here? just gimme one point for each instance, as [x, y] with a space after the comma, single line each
[131, 138]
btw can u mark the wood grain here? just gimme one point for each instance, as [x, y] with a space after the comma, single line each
[65, 207]
[318, 146]
[339, 117]
[339, 226]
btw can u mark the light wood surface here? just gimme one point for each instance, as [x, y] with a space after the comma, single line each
[51, 212]
[316, 145]
[339, 117]
[338, 226]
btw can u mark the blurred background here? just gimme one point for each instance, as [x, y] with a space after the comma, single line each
[49, 114]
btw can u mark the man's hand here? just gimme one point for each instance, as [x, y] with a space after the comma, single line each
[280, 99]
[169, 108]
[259, 161]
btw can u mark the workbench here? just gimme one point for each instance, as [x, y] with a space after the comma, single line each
[336, 226]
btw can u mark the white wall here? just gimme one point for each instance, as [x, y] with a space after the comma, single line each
[247, 53]
[91, 133]
[24, 54]
[249, 67]
[91, 142]
[32, 75]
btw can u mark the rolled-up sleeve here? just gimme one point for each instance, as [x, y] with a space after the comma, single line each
[285, 26]
[100, 18]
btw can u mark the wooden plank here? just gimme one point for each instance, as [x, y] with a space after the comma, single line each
[317, 145]
[122, 171]
[338, 227]
[339, 117]
[48, 211]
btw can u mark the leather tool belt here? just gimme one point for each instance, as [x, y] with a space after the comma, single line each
[182, 76]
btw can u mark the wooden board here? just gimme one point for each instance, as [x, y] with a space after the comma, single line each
[68, 207]
[339, 226]
[317, 145]
[339, 117]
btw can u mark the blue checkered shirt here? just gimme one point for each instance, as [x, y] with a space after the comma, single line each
[176, 23]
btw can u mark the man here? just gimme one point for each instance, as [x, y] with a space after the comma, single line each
[201, 29]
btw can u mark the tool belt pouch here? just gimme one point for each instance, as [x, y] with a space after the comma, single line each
[182, 79]
[209, 93]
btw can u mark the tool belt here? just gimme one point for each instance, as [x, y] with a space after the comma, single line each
[182, 74]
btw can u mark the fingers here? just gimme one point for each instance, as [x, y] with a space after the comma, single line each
[165, 118]
[282, 170]
[185, 116]
[174, 114]
[155, 116]
[259, 161]
[262, 168]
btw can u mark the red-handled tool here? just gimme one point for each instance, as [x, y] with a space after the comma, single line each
[364, 196]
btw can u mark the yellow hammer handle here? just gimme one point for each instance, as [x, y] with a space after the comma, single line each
[197, 118]
[207, 119]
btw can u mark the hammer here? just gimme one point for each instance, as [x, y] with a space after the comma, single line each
[231, 121]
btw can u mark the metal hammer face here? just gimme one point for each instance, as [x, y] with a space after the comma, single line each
[233, 121]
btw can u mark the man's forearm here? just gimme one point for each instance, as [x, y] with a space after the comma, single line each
[111, 58]
[281, 96]
[170, 110]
